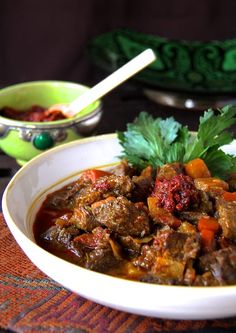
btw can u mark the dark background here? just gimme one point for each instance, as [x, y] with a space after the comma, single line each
[47, 39]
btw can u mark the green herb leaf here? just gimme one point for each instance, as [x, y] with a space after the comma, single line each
[155, 142]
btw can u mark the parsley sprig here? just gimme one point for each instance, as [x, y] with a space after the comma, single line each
[157, 141]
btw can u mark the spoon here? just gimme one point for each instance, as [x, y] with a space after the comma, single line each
[102, 88]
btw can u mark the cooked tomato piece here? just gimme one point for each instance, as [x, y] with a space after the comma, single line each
[94, 174]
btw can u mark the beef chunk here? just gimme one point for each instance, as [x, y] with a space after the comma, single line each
[191, 216]
[63, 220]
[226, 211]
[65, 197]
[232, 182]
[189, 274]
[124, 169]
[99, 249]
[171, 272]
[83, 218]
[114, 185]
[204, 208]
[205, 203]
[103, 188]
[122, 216]
[206, 279]
[168, 171]
[101, 260]
[76, 254]
[143, 184]
[98, 238]
[177, 245]
[221, 264]
[61, 239]
[147, 257]
[167, 268]
[162, 270]
[130, 245]
[169, 256]
[63, 236]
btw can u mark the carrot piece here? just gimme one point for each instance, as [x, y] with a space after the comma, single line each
[208, 223]
[229, 196]
[102, 202]
[197, 168]
[207, 238]
[94, 174]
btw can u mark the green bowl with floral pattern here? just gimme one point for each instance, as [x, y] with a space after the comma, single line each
[181, 66]
[24, 140]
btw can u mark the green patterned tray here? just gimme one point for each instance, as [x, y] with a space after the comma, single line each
[189, 66]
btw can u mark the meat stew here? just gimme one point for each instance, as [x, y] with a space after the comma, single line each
[167, 226]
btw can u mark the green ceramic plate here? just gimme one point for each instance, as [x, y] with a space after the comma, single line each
[185, 66]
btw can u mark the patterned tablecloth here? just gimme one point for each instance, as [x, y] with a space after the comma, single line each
[32, 302]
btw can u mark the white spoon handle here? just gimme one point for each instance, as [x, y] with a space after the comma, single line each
[112, 81]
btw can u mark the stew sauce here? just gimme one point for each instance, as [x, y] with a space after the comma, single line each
[165, 226]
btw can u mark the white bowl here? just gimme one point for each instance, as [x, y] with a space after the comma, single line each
[23, 197]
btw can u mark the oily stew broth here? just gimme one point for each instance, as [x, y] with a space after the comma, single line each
[175, 225]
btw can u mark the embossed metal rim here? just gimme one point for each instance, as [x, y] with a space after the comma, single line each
[187, 101]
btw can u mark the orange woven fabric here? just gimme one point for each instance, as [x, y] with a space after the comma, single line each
[32, 302]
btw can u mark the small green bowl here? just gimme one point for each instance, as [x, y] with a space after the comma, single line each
[24, 140]
[181, 66]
